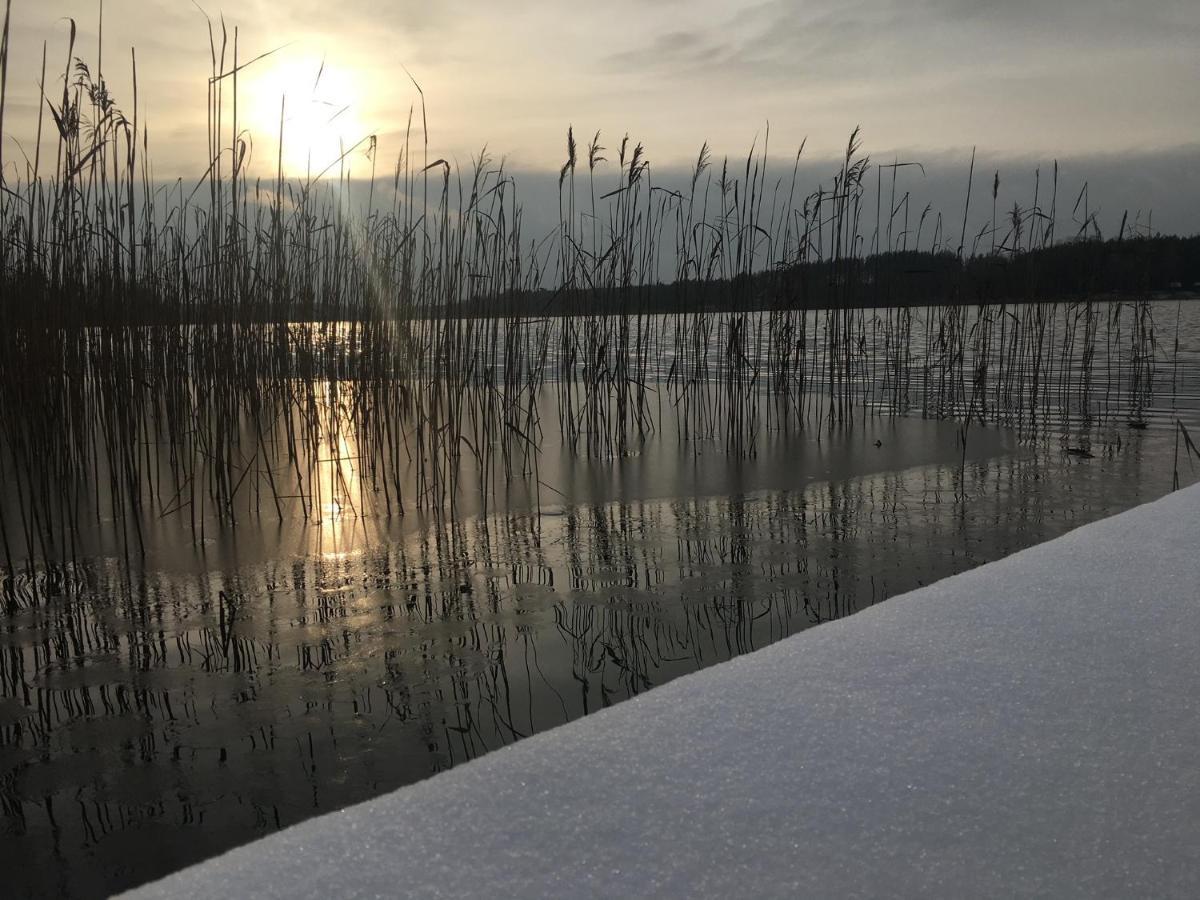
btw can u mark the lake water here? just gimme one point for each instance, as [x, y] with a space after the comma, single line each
[157, 711]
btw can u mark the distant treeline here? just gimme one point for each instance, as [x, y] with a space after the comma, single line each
[1131, 267]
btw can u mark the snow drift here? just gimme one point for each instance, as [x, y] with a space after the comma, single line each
[1029, 727]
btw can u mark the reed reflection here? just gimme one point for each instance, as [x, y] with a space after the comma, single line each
[257, 692]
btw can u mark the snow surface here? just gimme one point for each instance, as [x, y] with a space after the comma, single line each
[1030, 727]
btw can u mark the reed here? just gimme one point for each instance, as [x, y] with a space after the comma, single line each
[354, 344]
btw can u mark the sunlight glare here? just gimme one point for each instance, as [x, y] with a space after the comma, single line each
[320, 113]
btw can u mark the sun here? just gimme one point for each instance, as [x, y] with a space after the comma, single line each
[319, 102]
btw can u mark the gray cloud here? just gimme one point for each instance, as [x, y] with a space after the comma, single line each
[821, 36]
[1069, 77]
[1152, 187]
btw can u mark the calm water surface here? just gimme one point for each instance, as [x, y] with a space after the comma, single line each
[154, 715]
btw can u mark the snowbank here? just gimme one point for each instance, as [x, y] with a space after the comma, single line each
[1029, 727]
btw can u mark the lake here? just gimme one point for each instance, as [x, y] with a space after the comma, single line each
[178, 678]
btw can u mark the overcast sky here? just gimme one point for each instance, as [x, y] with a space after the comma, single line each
[1026, 81]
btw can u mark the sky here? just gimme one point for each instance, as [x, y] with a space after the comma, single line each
[1084, 81]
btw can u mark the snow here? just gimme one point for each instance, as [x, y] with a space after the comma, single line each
[1029, 727]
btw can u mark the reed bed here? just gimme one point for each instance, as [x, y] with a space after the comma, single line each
[358, 342]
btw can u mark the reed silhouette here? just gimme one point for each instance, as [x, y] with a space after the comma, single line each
[211, 350]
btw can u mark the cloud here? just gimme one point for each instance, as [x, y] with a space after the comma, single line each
[1074, 76]
[674, 48]
[1155, 187]
[783, 37]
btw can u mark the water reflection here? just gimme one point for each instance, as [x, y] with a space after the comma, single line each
[149, 721]
[304, 646]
